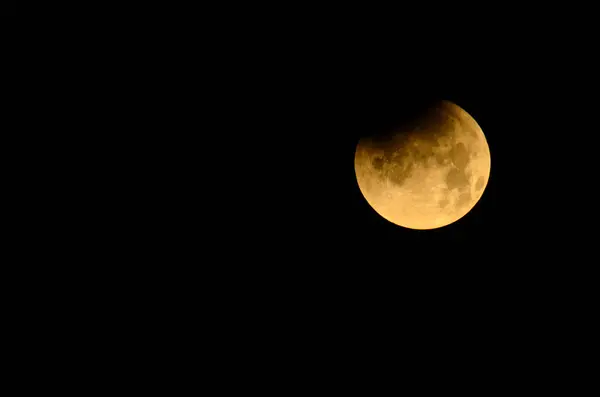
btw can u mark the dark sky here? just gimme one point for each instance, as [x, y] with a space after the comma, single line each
[9, 9]
[277, 228]
[323, 116]
[315, 97]
[292, 96]
[307, 224]
[240, 161]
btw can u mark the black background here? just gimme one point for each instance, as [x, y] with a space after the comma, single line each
[239, 134]
[305, 116]
[279, 107]
[9, 9]
[300, 241]
[223, 188]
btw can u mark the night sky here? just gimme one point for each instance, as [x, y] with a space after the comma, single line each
[339, 109]
[285, 248]
[518, 252]
[513, 259]
[9, 9]
[309, 101]
[255, 131]
[234, 190]
[270, 116]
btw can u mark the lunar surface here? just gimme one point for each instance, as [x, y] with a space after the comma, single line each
[428, 173]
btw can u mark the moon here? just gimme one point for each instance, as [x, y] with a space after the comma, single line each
[428, 173]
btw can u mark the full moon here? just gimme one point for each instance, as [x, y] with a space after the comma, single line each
[429, 172]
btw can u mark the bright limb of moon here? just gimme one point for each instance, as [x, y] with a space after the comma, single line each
[428, 174]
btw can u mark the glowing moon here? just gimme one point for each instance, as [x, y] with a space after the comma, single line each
[429, 173]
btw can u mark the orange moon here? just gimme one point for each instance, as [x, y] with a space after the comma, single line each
[428, 173]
